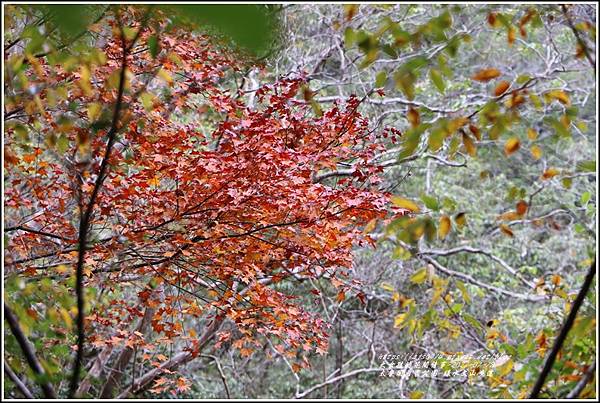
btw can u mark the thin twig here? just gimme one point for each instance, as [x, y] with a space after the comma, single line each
[564, 331]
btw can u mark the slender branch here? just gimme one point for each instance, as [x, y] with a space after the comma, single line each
[564, 331]
[470, 279]
[468, 249]
[18, 383]
[85, 223]
[336, 379]
[29, 352]
[34, 231]
[221, 373]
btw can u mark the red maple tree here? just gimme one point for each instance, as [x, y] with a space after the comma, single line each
[190, 202]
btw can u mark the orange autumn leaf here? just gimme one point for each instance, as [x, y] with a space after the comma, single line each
[509, 216]
[469, 145]
[492, 19]
[413, 117]
[522, 207]
[486, 74]
[511, 36]
[501, 88]
[505, 229]
[550, 173]
[511, 146]
[476, 132]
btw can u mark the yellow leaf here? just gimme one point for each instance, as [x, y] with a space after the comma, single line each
[460, 219]
[536, 152]
[387, 287]
[511, 145]
[486, 74]
[154, 181]
[531, 134]
[370, 226]
[405, 204]
[84, 81]
[399, 319]
[444, 227]
[419, 276]
[559, 95]
[66, 317]
[93, 111]
[164, 74]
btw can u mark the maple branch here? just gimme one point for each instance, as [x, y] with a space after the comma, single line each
[18, 383]
[117, 372]
[564, 331]
[29, 352]
[184, 356]
[34, 231]
[85, 222]
[177, 360]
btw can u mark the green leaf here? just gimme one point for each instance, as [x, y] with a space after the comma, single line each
[380, 79]
[70, 19]
[585, 197]
[251, 26]
[430, 229]
[62, 144]
[430, 202]
[463, 291]
[153, 46]
[438, 80]
[586, 166]
[147, 100]
[349, 37]
[472, 321]
[560, 129]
